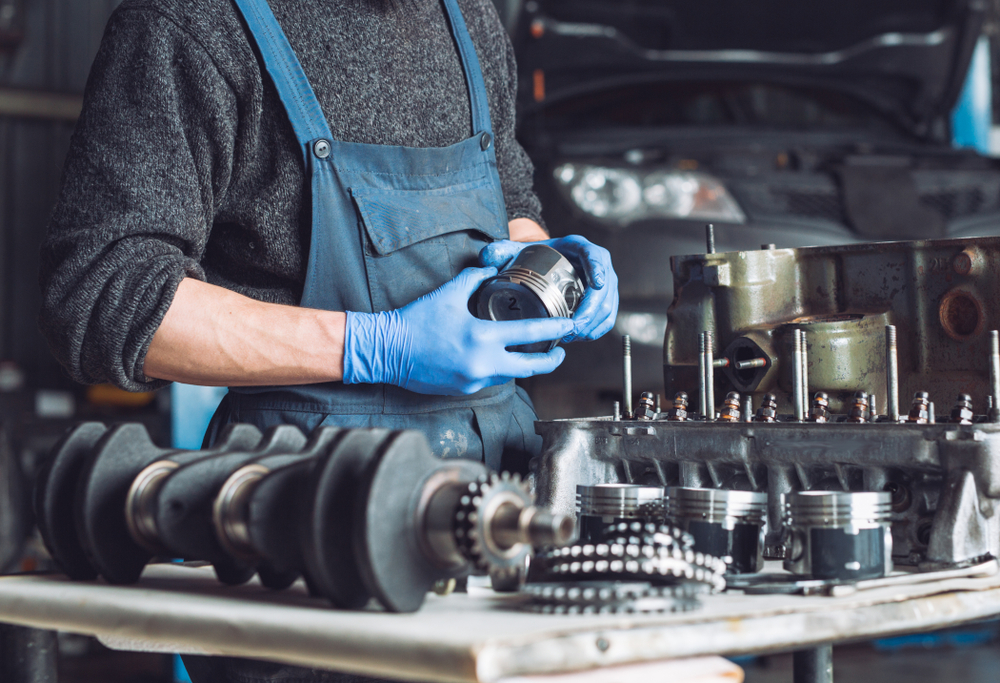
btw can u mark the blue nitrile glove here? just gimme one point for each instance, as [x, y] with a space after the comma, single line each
[434, 345]
[597, 312]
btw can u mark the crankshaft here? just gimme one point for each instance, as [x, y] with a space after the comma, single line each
[359, 513]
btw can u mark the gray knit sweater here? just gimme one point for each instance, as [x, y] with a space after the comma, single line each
[184, 163]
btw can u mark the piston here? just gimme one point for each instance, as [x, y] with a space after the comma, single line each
[539, 283]
[604, 504]
[835, 535]
[723, 523]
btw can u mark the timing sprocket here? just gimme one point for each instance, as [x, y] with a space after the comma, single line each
[478, 506]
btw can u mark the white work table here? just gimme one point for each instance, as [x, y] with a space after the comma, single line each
[476, 637]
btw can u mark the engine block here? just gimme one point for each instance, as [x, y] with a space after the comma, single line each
[940, 299]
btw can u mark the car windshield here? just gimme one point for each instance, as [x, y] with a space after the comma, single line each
[717, 103]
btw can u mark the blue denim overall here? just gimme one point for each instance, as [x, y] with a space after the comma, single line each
[390, 224]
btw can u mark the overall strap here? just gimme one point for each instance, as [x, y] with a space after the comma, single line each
[470, 64]
[286, 73]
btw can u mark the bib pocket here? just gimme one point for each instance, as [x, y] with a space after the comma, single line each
[419, 239]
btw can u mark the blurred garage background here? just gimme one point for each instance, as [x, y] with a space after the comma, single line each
[47, 46]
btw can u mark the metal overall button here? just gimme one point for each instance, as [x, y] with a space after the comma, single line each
[485, 141]
[321, 148]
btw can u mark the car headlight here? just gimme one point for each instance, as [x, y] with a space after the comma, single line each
[643, 328]
[622, 196]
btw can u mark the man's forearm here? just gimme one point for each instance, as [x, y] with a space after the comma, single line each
[213, 336]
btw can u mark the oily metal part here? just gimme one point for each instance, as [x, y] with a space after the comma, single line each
[946, 476]
[647, 533]
[360, 521]
[610, 597]
[905, 317]
[634, 561]
[478, 507]
[936, 293]
[838, 534]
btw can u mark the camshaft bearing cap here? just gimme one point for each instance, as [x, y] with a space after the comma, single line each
[539, 283]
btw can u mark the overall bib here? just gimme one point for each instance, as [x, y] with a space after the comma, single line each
[389, 225]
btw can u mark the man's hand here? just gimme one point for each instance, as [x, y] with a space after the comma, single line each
[434, 345]
[597, 312]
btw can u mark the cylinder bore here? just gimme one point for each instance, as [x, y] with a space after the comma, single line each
[961, 314]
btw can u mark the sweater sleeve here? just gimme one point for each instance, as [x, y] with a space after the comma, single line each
[149, 162]
[515, 168]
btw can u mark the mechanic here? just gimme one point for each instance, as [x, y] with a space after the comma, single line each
[297, 199]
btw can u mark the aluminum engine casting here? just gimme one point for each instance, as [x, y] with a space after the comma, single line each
[870, 322]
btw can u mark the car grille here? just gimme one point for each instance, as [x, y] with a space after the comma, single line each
[819, 197]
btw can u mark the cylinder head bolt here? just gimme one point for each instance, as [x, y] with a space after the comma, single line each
[602, 505]
[723, 523]
[539, 283]
[835, 535]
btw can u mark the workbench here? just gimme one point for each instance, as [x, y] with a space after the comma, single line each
[478, 637]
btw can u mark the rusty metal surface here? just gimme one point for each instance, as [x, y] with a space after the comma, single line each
[940, 295]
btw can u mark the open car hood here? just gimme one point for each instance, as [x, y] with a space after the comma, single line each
[907, 58]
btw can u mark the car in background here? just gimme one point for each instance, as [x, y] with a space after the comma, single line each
[781, 122]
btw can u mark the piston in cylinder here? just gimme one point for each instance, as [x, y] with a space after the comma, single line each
[601, 505]
[836, 535]
[539, 283]
[724, 523]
